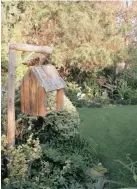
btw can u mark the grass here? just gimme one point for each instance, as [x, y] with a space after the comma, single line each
[114, 130]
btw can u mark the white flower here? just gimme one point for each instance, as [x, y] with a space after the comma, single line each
[79, 94]
[83, 95]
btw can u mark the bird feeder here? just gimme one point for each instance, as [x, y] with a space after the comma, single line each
[36, 87]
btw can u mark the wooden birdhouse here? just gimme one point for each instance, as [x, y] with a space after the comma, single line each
[36, 86]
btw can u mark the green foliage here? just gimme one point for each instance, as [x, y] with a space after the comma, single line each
[130, 76]
[62, 159]
[67, 27]
[4, 56]
[62, 165]
[12, 13]
[54, 126]
[89, 95]
[70, 163]
[131, 167]
[123, 89]
[126, 82]
[20, 158]
[87, 35]
[11, 33]
[71, 92]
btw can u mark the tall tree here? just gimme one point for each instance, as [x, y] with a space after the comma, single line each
[89, 35]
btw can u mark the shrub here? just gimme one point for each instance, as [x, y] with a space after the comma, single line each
[54, 126]
[71, 92]
[125, 94]
[19, 158]
[121, 88]
[130, 76]
[62, 165]
[90, 97]
[62, 159]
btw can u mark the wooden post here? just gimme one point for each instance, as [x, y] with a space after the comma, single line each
[11, 94]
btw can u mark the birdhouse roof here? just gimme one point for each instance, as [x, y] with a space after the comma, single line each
[48, 77]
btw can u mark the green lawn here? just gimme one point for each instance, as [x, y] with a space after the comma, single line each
[114, 130]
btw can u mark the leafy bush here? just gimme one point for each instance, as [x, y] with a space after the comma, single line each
[71, 164]
[125, 94]
[54, 126]
[130, 76]
[71, 92]
[124, 91]
[90, 97]
[121, 88]
[62, 159]
[19, 158]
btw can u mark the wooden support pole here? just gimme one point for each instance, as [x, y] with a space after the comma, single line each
[31, 48]
[11, 94]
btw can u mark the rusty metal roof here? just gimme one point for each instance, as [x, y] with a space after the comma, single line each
[48, 77]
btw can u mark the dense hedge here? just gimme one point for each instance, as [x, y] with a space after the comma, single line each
[50, 154]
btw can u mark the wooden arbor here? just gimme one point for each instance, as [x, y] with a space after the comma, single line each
[11, 84]
[35, 84]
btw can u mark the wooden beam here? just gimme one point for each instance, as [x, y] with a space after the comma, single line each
[11, 94]
[30, 48]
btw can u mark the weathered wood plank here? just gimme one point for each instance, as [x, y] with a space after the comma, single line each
[43, 79]
[33, 94]
[25, 76]
[11, 95]
[22, 96]
[31, 48]
[41, 76]
[27, 95]
[41, 101]
[53, 77]
[50, 81]
[60, 99]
